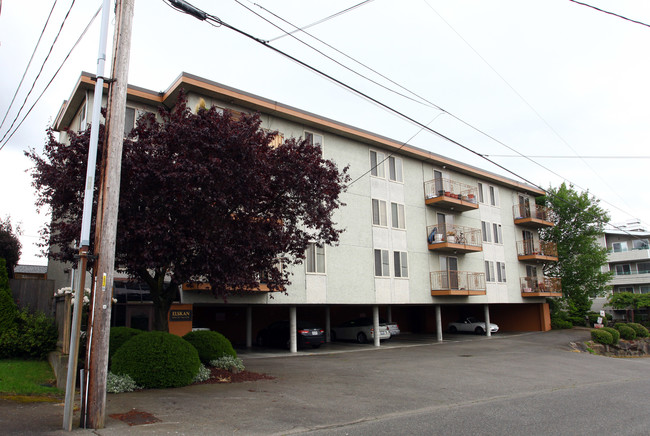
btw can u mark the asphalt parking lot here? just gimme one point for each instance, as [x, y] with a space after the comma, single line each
[526, 384]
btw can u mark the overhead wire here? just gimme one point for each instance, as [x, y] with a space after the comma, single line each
[610, 13]
[83, 33]
[265, 43]
[40, 71]
[28, 64]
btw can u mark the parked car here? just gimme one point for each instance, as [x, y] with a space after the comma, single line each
[360, 330]
[393, 327]
[471, 324]
[277, 335]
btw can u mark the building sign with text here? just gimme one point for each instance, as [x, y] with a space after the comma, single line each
[180, 315]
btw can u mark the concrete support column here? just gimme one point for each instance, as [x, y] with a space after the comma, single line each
[328, 325]
[249, 326]
[486, 310]
[375, 324]
[438, 323]
[293, 331]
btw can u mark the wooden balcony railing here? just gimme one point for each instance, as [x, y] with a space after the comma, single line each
[533, 215]
[457, 283]
[541, 251]
[453, 238]
[450, 194]
[541, 287]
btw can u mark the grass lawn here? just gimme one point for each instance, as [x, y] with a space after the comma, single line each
[27, 377]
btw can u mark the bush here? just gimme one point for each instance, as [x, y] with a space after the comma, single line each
[602, 337]
[116, 384]
[228, 363]
[210, 345]
[615, 334]
[157, 360]
[118, 336]
[557, 324]
[576, 320]
[31, 336]
[640, 330]
[8, 309]
[625, 331]
[203, 374]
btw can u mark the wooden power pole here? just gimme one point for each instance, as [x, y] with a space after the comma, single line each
[94, 400]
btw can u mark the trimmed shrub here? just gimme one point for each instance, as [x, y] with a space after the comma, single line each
[641, 331]
[615, 334]
[157, 360]
[210, 345]
[602, 337]
[118, 336]
[557, 324]
[625, 331]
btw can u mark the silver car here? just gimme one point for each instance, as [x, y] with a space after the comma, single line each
[469, 325]
[360, 330]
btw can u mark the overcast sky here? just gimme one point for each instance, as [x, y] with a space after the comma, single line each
[545, 78]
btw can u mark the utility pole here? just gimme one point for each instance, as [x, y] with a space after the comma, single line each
[94, 400]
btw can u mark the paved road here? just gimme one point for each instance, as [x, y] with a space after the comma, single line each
[528, 384]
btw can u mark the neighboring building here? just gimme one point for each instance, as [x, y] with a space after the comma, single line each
[629, 257]
[38, 272]
[428, 239]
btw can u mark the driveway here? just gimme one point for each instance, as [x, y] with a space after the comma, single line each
[528, 384]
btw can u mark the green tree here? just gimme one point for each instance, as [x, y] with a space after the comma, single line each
[629, 300]
[9, 245]
[8, 307]
[579, 222]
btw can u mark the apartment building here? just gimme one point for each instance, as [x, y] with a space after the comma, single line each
[427, 239]
[629, 258]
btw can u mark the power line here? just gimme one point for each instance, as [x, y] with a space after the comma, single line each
[611, 13]
[218, 21]
[568, 157]
[39, 71]
[28, 64]
[51, 80]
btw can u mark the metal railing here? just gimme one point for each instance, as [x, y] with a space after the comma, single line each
[528, 247]
[532, 211]
[457, 280]
[541, 284]
[450, 188]
[454, 235]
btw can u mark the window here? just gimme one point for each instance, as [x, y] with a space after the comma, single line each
[494, 196]
[314, 138]
[129, 121]
[481, 199]
[623, 289]
[489, 271]
[498, 237]
[623, 270]
[381, 263]
[640, 244]
[643, 267]
[619, 247]
[397, 216]
[82, 116]
[315, 258]
[645, 289]
[395, 169]
[377, 164]
[401, 263]
[501, 272]
[485, 227]
[379, 212]
[531, 271]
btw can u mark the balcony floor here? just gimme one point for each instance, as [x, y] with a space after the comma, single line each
[534, 223]
[455, 204]
[541, 294]
[538, 257]
[456, 292]
[449, 247]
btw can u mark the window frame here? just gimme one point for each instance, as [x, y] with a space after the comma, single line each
[377, 168]
[485, 229]
[382, 263]
[310, 136]
[380, 212]
[489, 271]
[395, 171]
[397, 210]
[400, 264]
[498, 234]
[501, 272]
[315, 248]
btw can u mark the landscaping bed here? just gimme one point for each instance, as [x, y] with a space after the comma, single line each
[218, 375]
[624, 348]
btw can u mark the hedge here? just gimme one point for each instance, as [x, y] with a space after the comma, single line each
[641, 331]
[210, 345]
[615, 334]
[626, 332]
[118, 336]
[602, 336]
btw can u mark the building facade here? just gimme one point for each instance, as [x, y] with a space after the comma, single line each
[427, 239]
[628, 257]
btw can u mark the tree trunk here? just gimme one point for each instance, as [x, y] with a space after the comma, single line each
[161, 296]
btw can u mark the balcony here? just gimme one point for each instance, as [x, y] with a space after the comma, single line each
[630, 278]
[448, 238]
[450, 195]
[633, 255]
[541, 287]
[542, 251]
[533, 216]
[459, 283]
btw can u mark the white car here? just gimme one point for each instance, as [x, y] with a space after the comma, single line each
[471, 324]
[360, 330]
